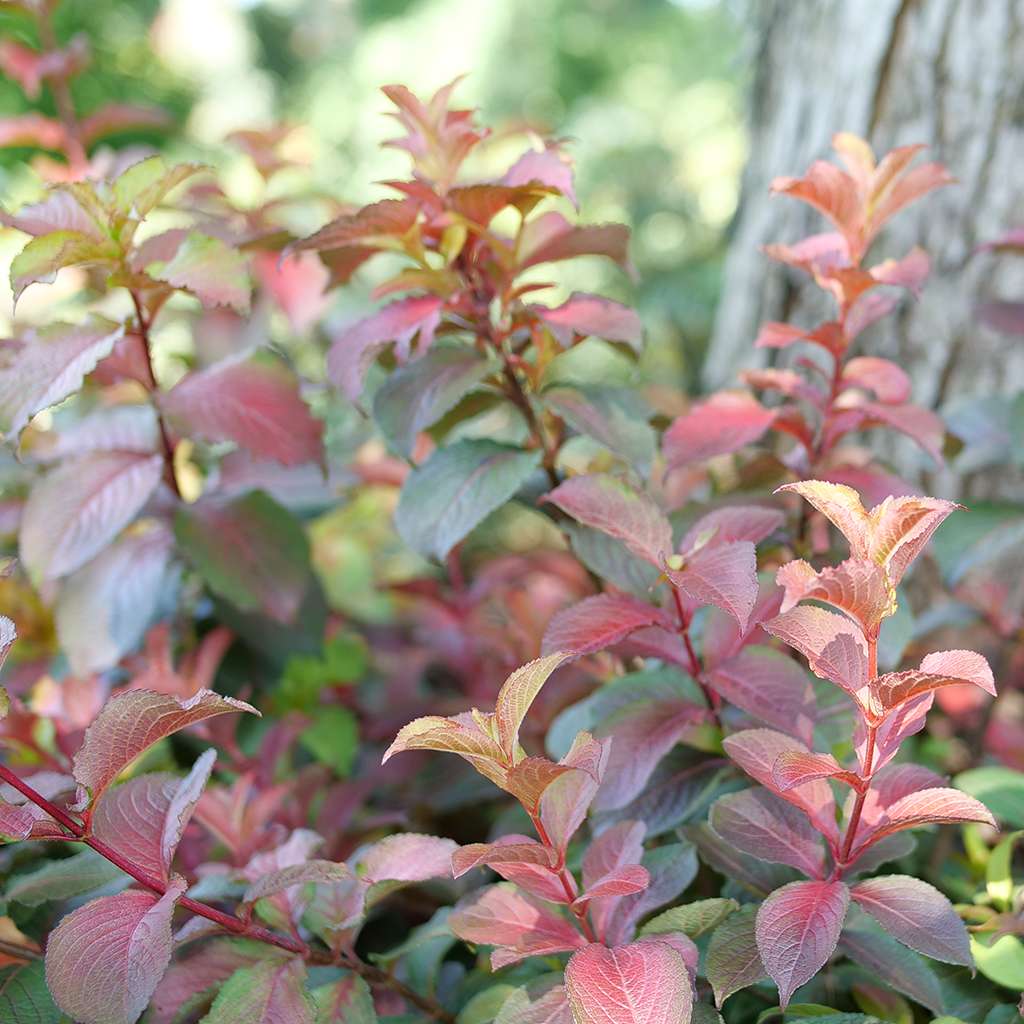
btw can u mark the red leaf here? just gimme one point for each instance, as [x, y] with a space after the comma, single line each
[834, 648]
[641, 983]
[131, 722]
[519, 926]
[121, 117]
[355, 347]
[586, 315]
[770, 686]
[611, 506]
[916, 914]
[723, 575]
[599, 622]
[893, 689]
[793, 768]
[565, 802]
[856, 587]
[356, 236]
[889, 382]
[297, 284]
[756, 751]
[507, 850]
[105, 960]
[255, 404]
[722, 636]
[529, 778]
[551, 238]
[722, 424]
[77, 509]
[641, 734]
[939, 806]
[144, 818]
[831, 191]
[765, 826]
[32, 130]
[733, 523]
[910, 272]
[798, 929]
[615, 848]
[622, 882]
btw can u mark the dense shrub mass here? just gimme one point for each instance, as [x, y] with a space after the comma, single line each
[260, 552]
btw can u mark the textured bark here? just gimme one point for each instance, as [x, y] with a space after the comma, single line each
[948, 73]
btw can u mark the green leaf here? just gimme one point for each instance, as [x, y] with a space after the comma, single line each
[1002, 961]
[456, 489]
[250, 551]
[344, 660]
[143, 185]
[40, 260]
[266, 993]
[347, 1001]
[733, 961]
[998, 871]
[83, 873]
[209, 269]
[418, 394]
[1000, 789]
[24, 997]
[484, 1006]
[333, 738]
[694, 919]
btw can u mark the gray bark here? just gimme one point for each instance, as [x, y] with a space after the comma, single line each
[948, 73]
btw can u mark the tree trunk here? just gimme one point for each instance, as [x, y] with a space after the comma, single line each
[948, 73]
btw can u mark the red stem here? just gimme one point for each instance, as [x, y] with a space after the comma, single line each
[568, 882]
[695, 667]
[77, 157]
[868, 767]
[151, 384]
[229, 922]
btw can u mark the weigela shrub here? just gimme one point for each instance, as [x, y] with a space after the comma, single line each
[187, 523]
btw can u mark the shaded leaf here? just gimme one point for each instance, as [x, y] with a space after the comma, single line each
[211, 270]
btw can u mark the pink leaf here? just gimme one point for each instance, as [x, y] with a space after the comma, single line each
[833, 646]
[297, 284]
[598, 622]
[407, 857]
[591, 315]
[49, 366]
[793, 768]
[856, 587]
[550, 1008]
[798, 929]
[519, 926]
[733, 523]
[622, 882]
[770, 686]
[722, 424]
[831, 191]
[144, 818]
[131, 722]
[565, 802]
[74, 511]
[918, 915]
[889, 382]
[547, 167]
[354, 348]
[966, 665]
[507, 850]
[255, 404]
[722, 636]
[611, 506]
[763, 825]
[723, 575]
[756, 751]
[320, 872]
[939, 806]
[616, 847]
[268, 992]
[16, 823]
[105, 960]
[910, 272]
[642, 983]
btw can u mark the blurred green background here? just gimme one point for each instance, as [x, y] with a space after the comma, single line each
[651, 93]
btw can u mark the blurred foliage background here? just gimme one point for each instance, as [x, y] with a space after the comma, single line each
[651, 93]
